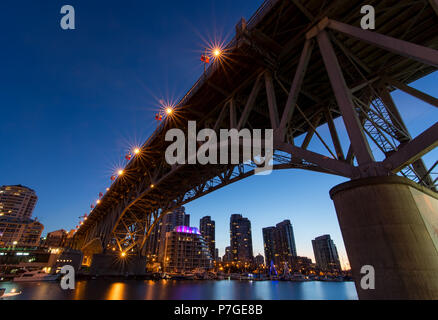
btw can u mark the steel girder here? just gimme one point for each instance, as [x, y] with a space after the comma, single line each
[294, 107]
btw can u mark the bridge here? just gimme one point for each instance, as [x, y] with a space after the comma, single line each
[293, 67]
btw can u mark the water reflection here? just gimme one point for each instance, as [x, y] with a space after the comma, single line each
[116, 291]
[186, 290]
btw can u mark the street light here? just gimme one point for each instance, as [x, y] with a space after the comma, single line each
[217, 52]
[169, 111]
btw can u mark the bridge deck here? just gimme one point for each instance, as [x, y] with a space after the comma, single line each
[277, 32]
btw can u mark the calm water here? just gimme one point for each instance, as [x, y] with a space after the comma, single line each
[185, 290]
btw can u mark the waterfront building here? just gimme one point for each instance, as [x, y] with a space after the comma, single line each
[259, 260]
[286, 242]
[19, 233]
[241, 239]
[227, 256]
[55, 239]
[156, 241]
[302, 264]
[207, 228]
[186, 250]
[279, 244]
[17, 229]
[17, 202]
[269, 244]
[326, 254]
[38, 258]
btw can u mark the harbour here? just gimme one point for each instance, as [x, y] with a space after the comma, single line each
[131, 289]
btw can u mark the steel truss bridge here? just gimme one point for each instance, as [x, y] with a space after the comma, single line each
[293, 67]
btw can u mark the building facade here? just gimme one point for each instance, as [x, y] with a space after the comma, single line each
[326, 254]
[156, 241]
[279, 244]
[185, 250]
[17, 202]
[241, 239]
[227, 257]
[207, 228]
[16, 226]
[55, 239]
[20, 233]
[269, 244]
[259, 260]
[286, 242]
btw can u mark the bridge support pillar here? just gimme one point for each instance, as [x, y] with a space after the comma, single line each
[114, 265]
[390, 223]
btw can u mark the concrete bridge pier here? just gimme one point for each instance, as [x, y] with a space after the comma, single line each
[114, 265]
[391, 224]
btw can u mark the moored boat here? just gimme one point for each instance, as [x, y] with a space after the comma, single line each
[37, 275]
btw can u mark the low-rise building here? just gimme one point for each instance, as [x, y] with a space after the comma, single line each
[19, 232]
[186, 250]
[55, 239]
[259, 260]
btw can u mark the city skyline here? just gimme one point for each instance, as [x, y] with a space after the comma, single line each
[79, 127]
[176, 218]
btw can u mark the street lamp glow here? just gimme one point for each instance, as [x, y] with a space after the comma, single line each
[169, 111]
[136, 150]
[120, 172]
[217, 52]
[123, 254]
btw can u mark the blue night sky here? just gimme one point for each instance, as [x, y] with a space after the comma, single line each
[74, 102]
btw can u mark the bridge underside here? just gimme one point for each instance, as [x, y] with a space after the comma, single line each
[292, 68]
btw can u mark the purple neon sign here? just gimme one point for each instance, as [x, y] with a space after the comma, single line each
[185, 229]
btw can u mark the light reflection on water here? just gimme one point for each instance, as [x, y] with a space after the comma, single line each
[185, 290]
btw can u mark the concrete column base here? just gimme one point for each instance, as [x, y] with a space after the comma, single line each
[114, 265]
[391, 224]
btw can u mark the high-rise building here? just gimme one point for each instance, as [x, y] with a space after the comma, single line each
[269, 244]
[241, 239]
[16, 226]
[185, 250]
[207, 228]
[286, 242]
[279, 244]
[326, 255]
[17, 201]
[156, 241]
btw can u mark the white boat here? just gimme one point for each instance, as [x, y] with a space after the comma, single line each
[37, 275]
[13, 293]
